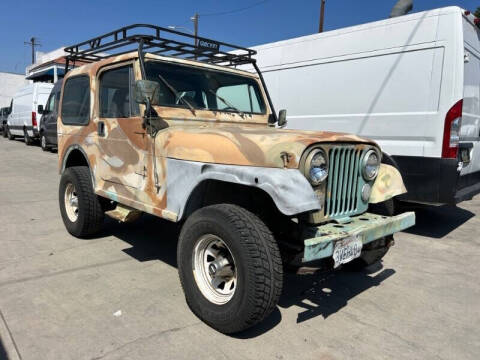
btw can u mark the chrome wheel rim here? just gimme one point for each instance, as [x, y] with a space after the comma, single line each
[71, 202]
[214, 269]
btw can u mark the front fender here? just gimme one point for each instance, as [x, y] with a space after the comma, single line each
[389, 183]
[288, 188]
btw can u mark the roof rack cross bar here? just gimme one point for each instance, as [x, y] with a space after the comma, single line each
[161, 41]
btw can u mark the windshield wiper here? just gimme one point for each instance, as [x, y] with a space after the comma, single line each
[241, 113]
[175, 92]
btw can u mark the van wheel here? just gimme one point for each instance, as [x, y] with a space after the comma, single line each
[230, 267]
[43, 142]
[9, 134]
[80, 207]
[28, 140]
[371, 253]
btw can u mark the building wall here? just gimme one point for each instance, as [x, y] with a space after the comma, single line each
[9, 84]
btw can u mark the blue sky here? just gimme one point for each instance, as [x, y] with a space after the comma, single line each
[58, 22]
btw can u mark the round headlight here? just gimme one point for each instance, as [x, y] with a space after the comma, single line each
[316, 168]
[371, 165]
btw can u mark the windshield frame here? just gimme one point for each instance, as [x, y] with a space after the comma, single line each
[151, 58]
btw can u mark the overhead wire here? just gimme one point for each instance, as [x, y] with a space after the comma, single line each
[234, 10]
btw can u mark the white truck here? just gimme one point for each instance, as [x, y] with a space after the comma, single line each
[411, 83]
[23, 119]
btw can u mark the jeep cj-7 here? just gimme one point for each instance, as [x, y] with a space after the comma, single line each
[161, 122]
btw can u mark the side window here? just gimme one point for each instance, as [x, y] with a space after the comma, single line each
[116, 93]
[76, 101]
[57, 99]
[50, 106]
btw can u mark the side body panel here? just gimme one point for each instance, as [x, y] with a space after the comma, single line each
[470, 129]
[392, 81]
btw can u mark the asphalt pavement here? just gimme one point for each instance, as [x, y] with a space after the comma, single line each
[118, 296]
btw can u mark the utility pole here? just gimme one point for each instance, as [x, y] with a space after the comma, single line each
[33, 42]
[322, 15]
[194, 18]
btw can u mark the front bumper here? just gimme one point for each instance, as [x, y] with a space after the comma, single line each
[320, 241]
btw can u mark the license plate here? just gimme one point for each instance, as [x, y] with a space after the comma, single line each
[347, 249]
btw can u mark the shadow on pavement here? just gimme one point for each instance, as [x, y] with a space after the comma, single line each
[317, 293]
[3, 352]
[325, 293]
[151, 238]
[437, 222]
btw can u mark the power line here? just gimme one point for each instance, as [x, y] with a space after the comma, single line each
[235, 10]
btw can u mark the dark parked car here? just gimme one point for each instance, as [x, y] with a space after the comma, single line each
[3, 119]
[48, 121]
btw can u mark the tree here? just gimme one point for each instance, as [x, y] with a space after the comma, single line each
[477, 12]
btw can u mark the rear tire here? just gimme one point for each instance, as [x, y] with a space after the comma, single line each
[28, 140]
[253, 260]
[80, 207]
[9, 134]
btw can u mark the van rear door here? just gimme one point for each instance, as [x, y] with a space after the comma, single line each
[470, 128]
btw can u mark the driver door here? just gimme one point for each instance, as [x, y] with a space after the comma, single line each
[120, 132]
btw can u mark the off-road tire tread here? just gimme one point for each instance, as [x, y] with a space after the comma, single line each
[91, 206]
[266, 263]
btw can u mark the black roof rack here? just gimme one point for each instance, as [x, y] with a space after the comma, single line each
[161, 41]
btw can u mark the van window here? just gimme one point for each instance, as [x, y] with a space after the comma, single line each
[76, 101]
[116, 89]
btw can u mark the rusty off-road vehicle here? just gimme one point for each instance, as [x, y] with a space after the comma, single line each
[164, 123]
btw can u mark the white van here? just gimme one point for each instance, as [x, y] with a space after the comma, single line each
[411, 83]
[23, 120]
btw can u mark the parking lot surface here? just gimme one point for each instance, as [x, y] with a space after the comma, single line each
[118, 296]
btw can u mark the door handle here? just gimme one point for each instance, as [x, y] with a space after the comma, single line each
[101, 128]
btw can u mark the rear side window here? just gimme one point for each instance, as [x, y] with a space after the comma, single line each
[76, 101]
[116, 90]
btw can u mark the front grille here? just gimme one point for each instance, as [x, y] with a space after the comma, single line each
[343, 182]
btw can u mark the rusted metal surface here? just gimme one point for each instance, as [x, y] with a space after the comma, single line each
[319, 241]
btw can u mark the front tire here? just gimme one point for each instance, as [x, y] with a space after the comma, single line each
[80, 207]
[43, 142]
[241, 278]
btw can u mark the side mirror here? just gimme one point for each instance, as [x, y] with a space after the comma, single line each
[282, 118]
[147, 92]
[40, 109]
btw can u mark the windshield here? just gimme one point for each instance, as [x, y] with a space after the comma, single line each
[206, 89]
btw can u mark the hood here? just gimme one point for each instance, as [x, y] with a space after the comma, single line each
[244, 145]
